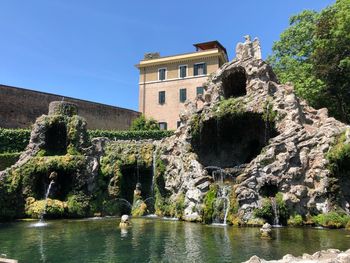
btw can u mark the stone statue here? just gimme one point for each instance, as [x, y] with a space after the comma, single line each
[124, 221]
[265, 231]
[248, 49]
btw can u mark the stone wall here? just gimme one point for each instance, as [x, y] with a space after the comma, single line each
[20, 107]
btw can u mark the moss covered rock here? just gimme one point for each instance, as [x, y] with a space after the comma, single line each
[52, 208]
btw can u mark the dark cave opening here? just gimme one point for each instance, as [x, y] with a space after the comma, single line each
[234, 84]
[60, 189]
[132, 175]
[232, 140]
[56, 139]
[268, 190]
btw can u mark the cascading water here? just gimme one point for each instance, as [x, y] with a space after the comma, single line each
[222, 194]
[154, 169]
[41, 221]
[276, 221]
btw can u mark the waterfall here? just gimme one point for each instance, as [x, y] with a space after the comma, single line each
[154, 169]
[46, 197]
[276, 220]
[41, 222]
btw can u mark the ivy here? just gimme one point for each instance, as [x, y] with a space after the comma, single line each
[16, 140]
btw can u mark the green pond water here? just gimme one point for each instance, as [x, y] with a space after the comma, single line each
[157, 240]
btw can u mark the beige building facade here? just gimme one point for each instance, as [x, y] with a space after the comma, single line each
[166, 83]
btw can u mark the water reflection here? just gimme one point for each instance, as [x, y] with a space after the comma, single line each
[41, 247]
[156, 240]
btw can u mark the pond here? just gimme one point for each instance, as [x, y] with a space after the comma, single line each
[157, 240]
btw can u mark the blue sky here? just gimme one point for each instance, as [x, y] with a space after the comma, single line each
[87, 49]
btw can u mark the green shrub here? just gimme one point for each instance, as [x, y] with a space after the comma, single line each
[16, 140]
[131, 135]
[331, 220]
[143, 124]
[78, 205]
[296, 220]
[209, 200]
[265, 211]
[54, 208]
[232, 106]
[339, 166]
[8, 159]
[13, 140]
[282, 209]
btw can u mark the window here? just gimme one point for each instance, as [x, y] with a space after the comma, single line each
[182, 71]
[178, 124]
[161, 97]
[162, 73]
[183, 94]
[163, 125]
[200, 91]
[199, 69]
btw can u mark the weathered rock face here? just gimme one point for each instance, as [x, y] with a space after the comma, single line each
[274, 141]
[59, 146]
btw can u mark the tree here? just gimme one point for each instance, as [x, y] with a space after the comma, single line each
[331, 56]
[291, 57]
[313, 54]
[143, 124]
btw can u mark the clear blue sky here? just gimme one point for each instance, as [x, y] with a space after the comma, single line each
[87, 48]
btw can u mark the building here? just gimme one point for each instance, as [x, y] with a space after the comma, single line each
[19, 108]
[167, 82]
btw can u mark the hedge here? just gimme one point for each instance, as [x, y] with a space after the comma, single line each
[8, 159]
[15, 140]
[130, 135]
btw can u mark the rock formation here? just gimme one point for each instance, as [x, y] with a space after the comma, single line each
[267, 140]
[253, 148]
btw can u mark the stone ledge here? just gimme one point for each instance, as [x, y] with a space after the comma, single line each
[323, 256]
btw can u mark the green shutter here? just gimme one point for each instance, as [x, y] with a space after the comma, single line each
[161, 97]
[183, 95]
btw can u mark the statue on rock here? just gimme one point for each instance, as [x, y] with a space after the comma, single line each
[248, 49]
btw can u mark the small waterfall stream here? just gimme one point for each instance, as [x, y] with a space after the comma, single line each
[222, 194]
[276, 220]
[154, 169]
[46, 197]
[41, 222]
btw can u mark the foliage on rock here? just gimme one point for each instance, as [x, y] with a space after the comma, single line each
[209, 199]
[8, 159]
[332, 220]
[78, 205]
[266, 210]
[296, 220]
[143, 124]
[16, 140]
[13, 140]
[339, 166]
[53, 208]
